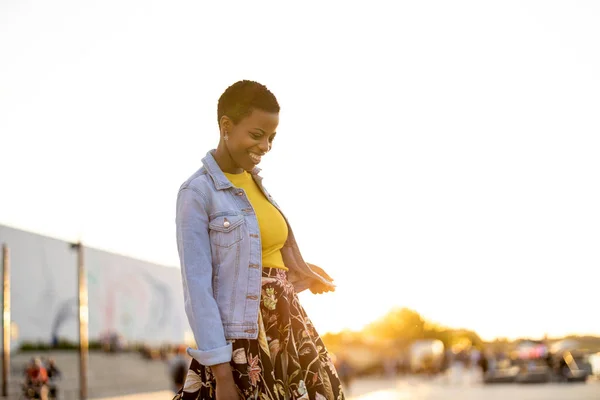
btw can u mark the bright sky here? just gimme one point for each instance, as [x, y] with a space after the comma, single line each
[438, 155]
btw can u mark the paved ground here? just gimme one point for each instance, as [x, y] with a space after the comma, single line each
[117, 377]
[419, 389]
[108, 374]
[164, 395]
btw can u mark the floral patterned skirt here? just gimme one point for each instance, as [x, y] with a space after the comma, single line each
[287, 361]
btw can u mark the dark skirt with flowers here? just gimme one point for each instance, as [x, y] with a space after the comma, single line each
[287, 361]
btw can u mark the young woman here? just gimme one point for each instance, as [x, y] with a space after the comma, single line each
[242, 270]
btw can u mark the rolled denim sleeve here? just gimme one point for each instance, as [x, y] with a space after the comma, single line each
[193, 244]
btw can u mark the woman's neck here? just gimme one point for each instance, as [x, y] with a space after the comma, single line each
[225, 162]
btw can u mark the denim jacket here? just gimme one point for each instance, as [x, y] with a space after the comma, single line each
[220, 252]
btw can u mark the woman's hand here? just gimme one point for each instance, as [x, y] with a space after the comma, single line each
[319, 287]
[321, 272]
[226, 389]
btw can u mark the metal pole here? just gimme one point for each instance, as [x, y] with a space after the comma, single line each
[5, 319]
[83, 322]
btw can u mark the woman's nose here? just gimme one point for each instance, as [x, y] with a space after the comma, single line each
[264, 145]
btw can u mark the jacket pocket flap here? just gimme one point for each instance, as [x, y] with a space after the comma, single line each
[226, 223]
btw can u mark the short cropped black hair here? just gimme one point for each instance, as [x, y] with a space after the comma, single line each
[243, 97]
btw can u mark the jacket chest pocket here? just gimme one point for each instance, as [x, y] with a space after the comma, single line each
[225, 231]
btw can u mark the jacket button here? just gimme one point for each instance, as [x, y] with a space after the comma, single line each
[226, 224]
[240, 193]
[250, 330]
[253, 235]
[255, 266]
[251, 297]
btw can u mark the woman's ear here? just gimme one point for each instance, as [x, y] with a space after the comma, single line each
[225, 125]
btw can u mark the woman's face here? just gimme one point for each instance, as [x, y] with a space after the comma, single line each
[251, 138]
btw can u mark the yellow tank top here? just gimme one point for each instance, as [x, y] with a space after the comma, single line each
[272, 225]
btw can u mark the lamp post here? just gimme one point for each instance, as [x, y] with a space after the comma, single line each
[5, 318]
[83, 320]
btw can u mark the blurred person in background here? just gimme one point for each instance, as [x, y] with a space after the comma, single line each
[475, 374]
[52, 369]
[484, 362]
[447, 362]
[345, 372]
[36, 378]
[54, 375]
[390, 366]
[459, 365]
[178, 368]
[242, 269]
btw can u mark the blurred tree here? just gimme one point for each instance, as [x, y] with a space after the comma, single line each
[400, 324]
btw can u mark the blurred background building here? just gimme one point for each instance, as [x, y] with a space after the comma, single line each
[130, 300]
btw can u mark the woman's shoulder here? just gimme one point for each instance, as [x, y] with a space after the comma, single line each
[198, 181]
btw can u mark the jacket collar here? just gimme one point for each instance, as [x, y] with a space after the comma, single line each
[218, 177]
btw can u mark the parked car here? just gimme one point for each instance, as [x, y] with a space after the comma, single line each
[500, 370]
[570, 361]
[531, 357]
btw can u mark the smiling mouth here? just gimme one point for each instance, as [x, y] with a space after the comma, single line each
[255, 158]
